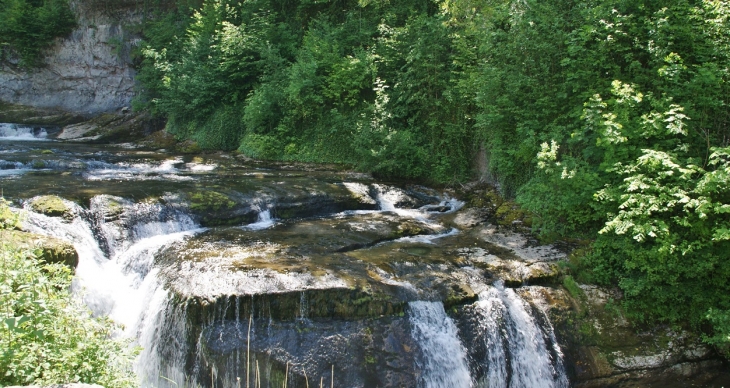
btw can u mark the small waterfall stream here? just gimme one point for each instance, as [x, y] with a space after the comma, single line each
[22, 132]
[521, 352]
[442, 363]
[126, 288]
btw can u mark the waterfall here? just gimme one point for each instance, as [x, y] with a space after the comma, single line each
[442, 362]
[21, 132]
[264, 221]
[509, 344]
[520, 352]
[122, 283]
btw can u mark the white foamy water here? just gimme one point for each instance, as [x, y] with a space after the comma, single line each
[264, 221]
[200, 167]
[442, 362]
[388, 197]
[21, 132]
[9, 168]
[428, 238]
[166, 170]
[518, 348]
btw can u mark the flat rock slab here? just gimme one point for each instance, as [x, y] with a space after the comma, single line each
[289, 257]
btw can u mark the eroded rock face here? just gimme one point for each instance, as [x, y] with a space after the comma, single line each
[85, 72]
[366, 353]
[604, 349]
[293, 256]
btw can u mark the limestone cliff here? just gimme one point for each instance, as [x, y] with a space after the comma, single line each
[87, 72]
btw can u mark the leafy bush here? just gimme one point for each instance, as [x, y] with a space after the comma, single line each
[46, 335]
[668, 242]
[304, 78]
[9, 219]
[29, 26]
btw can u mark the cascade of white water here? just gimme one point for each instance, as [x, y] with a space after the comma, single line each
[264, 221]
[21, 132]
[123, 284]
[126, 287]
[163, 336]
[442, 362]
[121, 223]
[518, 352]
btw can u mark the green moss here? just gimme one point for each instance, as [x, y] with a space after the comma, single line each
[509, 212]
[573, 288]
[408, 229]
[189, 147]
[114, 208]
[50, 205]
[210, 200]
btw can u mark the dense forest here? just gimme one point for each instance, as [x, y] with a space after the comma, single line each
[608, 121]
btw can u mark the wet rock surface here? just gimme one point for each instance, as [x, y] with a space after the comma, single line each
[52, 206]
[604, 349]
[364, 353]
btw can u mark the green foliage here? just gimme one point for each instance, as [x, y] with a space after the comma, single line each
[573, 287]
[720, 321]
[29, 26]
[47, 336]
[9, 219]
[308, 82]
[667, 244]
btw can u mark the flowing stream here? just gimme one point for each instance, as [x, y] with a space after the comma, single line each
[230, 273]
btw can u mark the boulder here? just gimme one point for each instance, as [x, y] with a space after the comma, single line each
[52, 250]
[606, 349]
[52, 206]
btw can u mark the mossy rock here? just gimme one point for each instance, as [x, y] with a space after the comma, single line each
[333, 303]
[112, 207]
[409, 229]
[218, 209]
[51, 206]
[459, 294]
[189, 147]
[505, 212]
[160, 140]
[510, 214]
[210, 201]
[51, 250]
[111, 128]
[21, 114]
